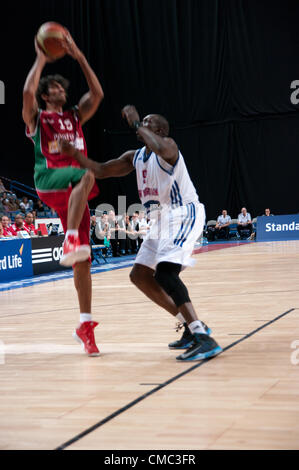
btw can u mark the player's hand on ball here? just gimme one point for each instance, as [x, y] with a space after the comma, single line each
[130, 113]
[40, 53]
[71, 47]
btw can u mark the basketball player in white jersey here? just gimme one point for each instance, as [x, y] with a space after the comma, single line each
[166, 190]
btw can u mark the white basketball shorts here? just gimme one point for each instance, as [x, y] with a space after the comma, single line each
[172, 236]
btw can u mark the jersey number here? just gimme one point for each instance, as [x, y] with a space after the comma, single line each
[67, 125]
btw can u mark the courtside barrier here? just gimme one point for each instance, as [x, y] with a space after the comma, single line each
[15, 259]
[277, 228]
[21, 258]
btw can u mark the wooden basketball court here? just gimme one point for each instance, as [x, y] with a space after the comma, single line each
[135, 395]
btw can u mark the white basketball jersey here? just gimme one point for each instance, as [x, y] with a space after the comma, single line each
[160, 183]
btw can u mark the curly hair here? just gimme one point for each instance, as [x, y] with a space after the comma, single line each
[43, 87]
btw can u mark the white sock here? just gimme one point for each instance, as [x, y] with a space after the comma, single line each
[180, 318]
[71, 232]
[197, 327]
[85, 317]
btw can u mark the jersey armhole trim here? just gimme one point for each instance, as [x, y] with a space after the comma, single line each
[136, 156]
[33, 134]
[171, 168]
[179, 154]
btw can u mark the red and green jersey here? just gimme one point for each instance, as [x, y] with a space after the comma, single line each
[53, 170]
[50, 127]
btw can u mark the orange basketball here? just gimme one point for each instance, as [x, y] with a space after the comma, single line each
[50, 38]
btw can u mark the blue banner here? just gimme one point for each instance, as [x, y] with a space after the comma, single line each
[279, 227]
[15, 259]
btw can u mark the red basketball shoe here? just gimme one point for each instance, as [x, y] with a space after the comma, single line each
[73, 252]
[84, 334]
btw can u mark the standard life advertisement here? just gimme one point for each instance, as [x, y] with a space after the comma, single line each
[280, 227]
[15, 259]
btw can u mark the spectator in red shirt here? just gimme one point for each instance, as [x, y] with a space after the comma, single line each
[1, 231]
[28, 224]
[7, 229]
[18, 226]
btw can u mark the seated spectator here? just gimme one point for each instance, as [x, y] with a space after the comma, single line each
[5, 203]
[126, 226]
[4, 198]
[117, 239]
[94, 230]
[7, 229]
[2, 234]
[1, 207]
[134, 234]
[143, 228]
[100, 233]
[222, 226]
[18, 226]
[52, 213]
[25, 204]
[244, 224]
[2, 187]
[93, 224]
[34, 216]
[267, 213]
[13, 203]
[39, 207]
[94, 240]
[28, 224]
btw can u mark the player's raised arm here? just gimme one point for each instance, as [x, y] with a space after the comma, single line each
[121, 166]
[153, 131]
[30, 106]
[89, 102]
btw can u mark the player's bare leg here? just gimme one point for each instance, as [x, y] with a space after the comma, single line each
[73, 251]
[82, 280]
[196, 337]
[143, 278]
[85, 331]
[78, 200]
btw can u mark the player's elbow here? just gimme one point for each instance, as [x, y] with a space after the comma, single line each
[29, 102]
[28, 94]
[97, 97]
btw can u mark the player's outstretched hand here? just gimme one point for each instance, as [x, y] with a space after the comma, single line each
[130, 113]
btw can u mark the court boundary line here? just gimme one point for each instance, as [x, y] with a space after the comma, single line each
[164, 384]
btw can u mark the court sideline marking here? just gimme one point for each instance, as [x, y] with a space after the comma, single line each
[159, 387]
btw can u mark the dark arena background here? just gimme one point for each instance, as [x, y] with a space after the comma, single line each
[223, 72]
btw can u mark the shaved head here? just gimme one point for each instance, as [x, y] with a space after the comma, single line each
[163, 123]
[157, 122]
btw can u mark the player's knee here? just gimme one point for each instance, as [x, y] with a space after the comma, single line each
[139, 276]
[133, 277]
[88, 179]
[167, 276]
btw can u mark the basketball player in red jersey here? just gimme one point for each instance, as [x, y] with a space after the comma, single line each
[59, 181]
